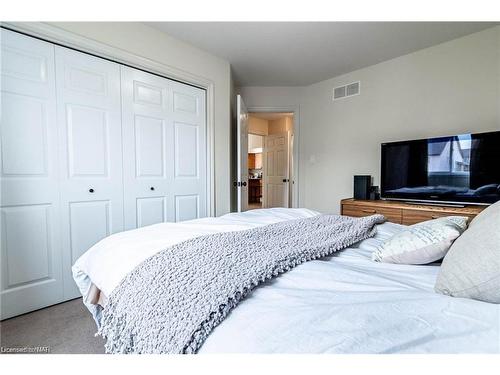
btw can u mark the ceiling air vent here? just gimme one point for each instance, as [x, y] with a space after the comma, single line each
[346, 91]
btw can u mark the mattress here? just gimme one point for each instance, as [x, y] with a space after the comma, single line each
[341, 304]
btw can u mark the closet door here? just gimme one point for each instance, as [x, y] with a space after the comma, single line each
[89, 124]
[164, 149]
[30, 239]
[189, 161]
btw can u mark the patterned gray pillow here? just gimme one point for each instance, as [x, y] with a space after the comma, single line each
[421, 243]
[471, 269]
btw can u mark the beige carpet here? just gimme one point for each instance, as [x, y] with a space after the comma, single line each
[64, 328]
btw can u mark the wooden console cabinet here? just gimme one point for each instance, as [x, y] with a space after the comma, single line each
[404, 213]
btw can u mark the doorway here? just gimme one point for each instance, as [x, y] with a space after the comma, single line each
[279, 128]
[270, 159]
[255, 148]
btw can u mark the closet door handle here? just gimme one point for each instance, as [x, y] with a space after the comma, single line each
[91, 190]
[244, 183]
[151, 188]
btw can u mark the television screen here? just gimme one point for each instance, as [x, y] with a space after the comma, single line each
[462, 168]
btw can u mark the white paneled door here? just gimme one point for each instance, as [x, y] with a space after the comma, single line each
[31, 275]
[242, 153]
[164, 149]
[276, 177]
[90, 153]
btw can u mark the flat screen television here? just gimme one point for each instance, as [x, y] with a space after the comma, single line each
[462, 168]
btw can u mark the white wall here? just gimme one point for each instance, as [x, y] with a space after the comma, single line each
[281, 125]
[271, 96]
[446, 89]
[152, 44]
[258, 125]
[443, 90]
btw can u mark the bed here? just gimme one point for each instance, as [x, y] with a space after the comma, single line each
[344, 303]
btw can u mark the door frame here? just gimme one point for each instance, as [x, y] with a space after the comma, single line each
[68, 39]
[295, 145]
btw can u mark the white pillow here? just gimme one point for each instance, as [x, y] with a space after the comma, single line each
[421, 243]
[471, 269]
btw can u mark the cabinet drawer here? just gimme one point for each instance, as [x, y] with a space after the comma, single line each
[391, 214]
[411, 217]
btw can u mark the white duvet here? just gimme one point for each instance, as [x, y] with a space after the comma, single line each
[342, 304]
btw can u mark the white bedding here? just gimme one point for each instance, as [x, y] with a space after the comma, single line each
[342, 304]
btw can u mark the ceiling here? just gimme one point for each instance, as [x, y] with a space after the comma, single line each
[302, 53]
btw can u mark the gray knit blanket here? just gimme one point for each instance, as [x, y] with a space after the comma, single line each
[172, 301]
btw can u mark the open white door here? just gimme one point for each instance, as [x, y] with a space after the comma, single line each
[276, 174]
[242, 152]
